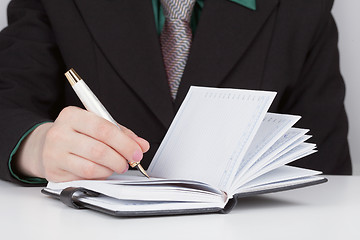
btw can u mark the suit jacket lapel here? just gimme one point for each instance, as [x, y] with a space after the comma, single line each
[225, 31]
[129, 40]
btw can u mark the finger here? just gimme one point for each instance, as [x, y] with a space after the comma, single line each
[83, 168]
[97, 152]
[63, 140]
[96, 127]
[145, 146]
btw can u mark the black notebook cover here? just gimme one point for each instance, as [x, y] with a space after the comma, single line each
[73, 197]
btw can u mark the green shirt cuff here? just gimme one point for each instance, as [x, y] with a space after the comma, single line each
[30, 180]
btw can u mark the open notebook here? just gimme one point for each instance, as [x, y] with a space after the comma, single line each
[221, 145]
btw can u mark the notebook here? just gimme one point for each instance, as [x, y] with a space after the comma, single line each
[222, 145]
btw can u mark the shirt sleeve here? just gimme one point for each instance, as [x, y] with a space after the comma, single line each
[24, 179]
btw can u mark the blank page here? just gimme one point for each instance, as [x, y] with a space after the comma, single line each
[210, 134]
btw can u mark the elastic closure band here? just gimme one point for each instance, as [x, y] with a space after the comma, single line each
[70, 196]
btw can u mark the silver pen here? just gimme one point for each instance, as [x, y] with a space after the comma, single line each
[92, 104]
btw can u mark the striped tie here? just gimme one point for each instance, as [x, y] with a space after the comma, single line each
[175, 39]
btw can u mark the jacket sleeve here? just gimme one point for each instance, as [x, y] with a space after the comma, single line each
[31, 82]
[319, 96]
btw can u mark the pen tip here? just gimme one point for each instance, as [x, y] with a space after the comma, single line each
[142, 170]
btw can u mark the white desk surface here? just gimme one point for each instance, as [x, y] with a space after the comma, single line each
[325, 211]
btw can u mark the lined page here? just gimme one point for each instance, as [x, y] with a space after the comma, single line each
[210, 134]
[272, 128]
[292, 138]
[297, 152]
[280, 177]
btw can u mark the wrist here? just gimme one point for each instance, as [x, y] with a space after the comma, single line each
[28, 159]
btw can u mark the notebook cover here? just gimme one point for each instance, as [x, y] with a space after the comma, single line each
[75, 201]
[232, 202]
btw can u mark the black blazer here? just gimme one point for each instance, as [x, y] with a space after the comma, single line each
[285, 46]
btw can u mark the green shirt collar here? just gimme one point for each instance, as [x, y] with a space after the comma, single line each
[251, 4]
[246, 3]
[160, 19]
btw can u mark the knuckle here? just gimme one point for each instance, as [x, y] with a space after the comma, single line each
[97, 151]
[88, 171]
[54, 133]
[104, 130]
[67, 112]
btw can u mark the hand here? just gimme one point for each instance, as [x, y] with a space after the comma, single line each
[79, 145]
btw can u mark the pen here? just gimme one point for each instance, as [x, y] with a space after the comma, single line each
[92, 104]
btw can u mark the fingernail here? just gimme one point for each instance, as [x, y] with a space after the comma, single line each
[137, 156]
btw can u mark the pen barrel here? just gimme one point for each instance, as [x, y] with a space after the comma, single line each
[91, 102]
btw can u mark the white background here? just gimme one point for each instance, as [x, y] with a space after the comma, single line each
[327, 211]
[347, 16]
